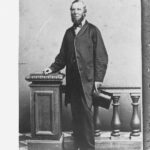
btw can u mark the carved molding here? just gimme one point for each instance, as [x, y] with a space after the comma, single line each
[42, 77]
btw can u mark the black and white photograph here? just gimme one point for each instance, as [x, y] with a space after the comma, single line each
[84, 75]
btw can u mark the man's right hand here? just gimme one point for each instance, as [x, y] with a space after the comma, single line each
[47, 71]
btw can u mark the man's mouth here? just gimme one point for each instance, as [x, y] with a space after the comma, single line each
[76, 16]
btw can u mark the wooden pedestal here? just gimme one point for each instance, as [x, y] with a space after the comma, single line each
[45, 106]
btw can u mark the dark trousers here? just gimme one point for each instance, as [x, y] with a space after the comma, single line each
[82, 116]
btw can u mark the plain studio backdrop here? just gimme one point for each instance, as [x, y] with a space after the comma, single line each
[42, 27]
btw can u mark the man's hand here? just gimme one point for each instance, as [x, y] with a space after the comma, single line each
[97, 85]
[47, 71]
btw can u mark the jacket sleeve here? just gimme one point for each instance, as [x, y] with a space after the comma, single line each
[60, 60]
[100, 56]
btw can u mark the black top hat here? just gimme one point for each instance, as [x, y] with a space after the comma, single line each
[102, 99]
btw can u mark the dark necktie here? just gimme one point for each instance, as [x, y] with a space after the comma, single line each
[77, 25]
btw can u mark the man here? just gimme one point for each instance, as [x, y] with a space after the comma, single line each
[85, 57]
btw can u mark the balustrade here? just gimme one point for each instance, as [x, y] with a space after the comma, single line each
[116, 122]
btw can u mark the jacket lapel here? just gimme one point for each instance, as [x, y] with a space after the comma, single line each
[83, 29]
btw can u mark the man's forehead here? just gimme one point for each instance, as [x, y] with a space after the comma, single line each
[77, 5]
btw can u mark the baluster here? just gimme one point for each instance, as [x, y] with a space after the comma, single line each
[115, 122]
[135, 121]
[97, 122]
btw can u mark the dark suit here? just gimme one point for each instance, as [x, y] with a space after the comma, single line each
[85, 58]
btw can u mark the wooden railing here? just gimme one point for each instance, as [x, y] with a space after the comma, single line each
[135, 123]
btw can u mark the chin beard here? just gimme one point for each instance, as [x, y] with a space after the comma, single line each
[77, 22]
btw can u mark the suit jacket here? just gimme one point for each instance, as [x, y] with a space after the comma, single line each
[91, 57]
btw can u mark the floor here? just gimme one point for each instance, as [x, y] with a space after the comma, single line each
[102, 141]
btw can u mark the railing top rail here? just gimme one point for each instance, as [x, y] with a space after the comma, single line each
[118, 89]
[121, 87]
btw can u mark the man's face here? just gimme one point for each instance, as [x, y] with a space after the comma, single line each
[77, 12]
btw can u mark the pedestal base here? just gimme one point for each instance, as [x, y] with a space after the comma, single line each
[45, 144]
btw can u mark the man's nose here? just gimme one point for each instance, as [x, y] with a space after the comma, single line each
[75, 11]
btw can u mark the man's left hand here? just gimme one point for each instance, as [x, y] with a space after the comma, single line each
[97, 85]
